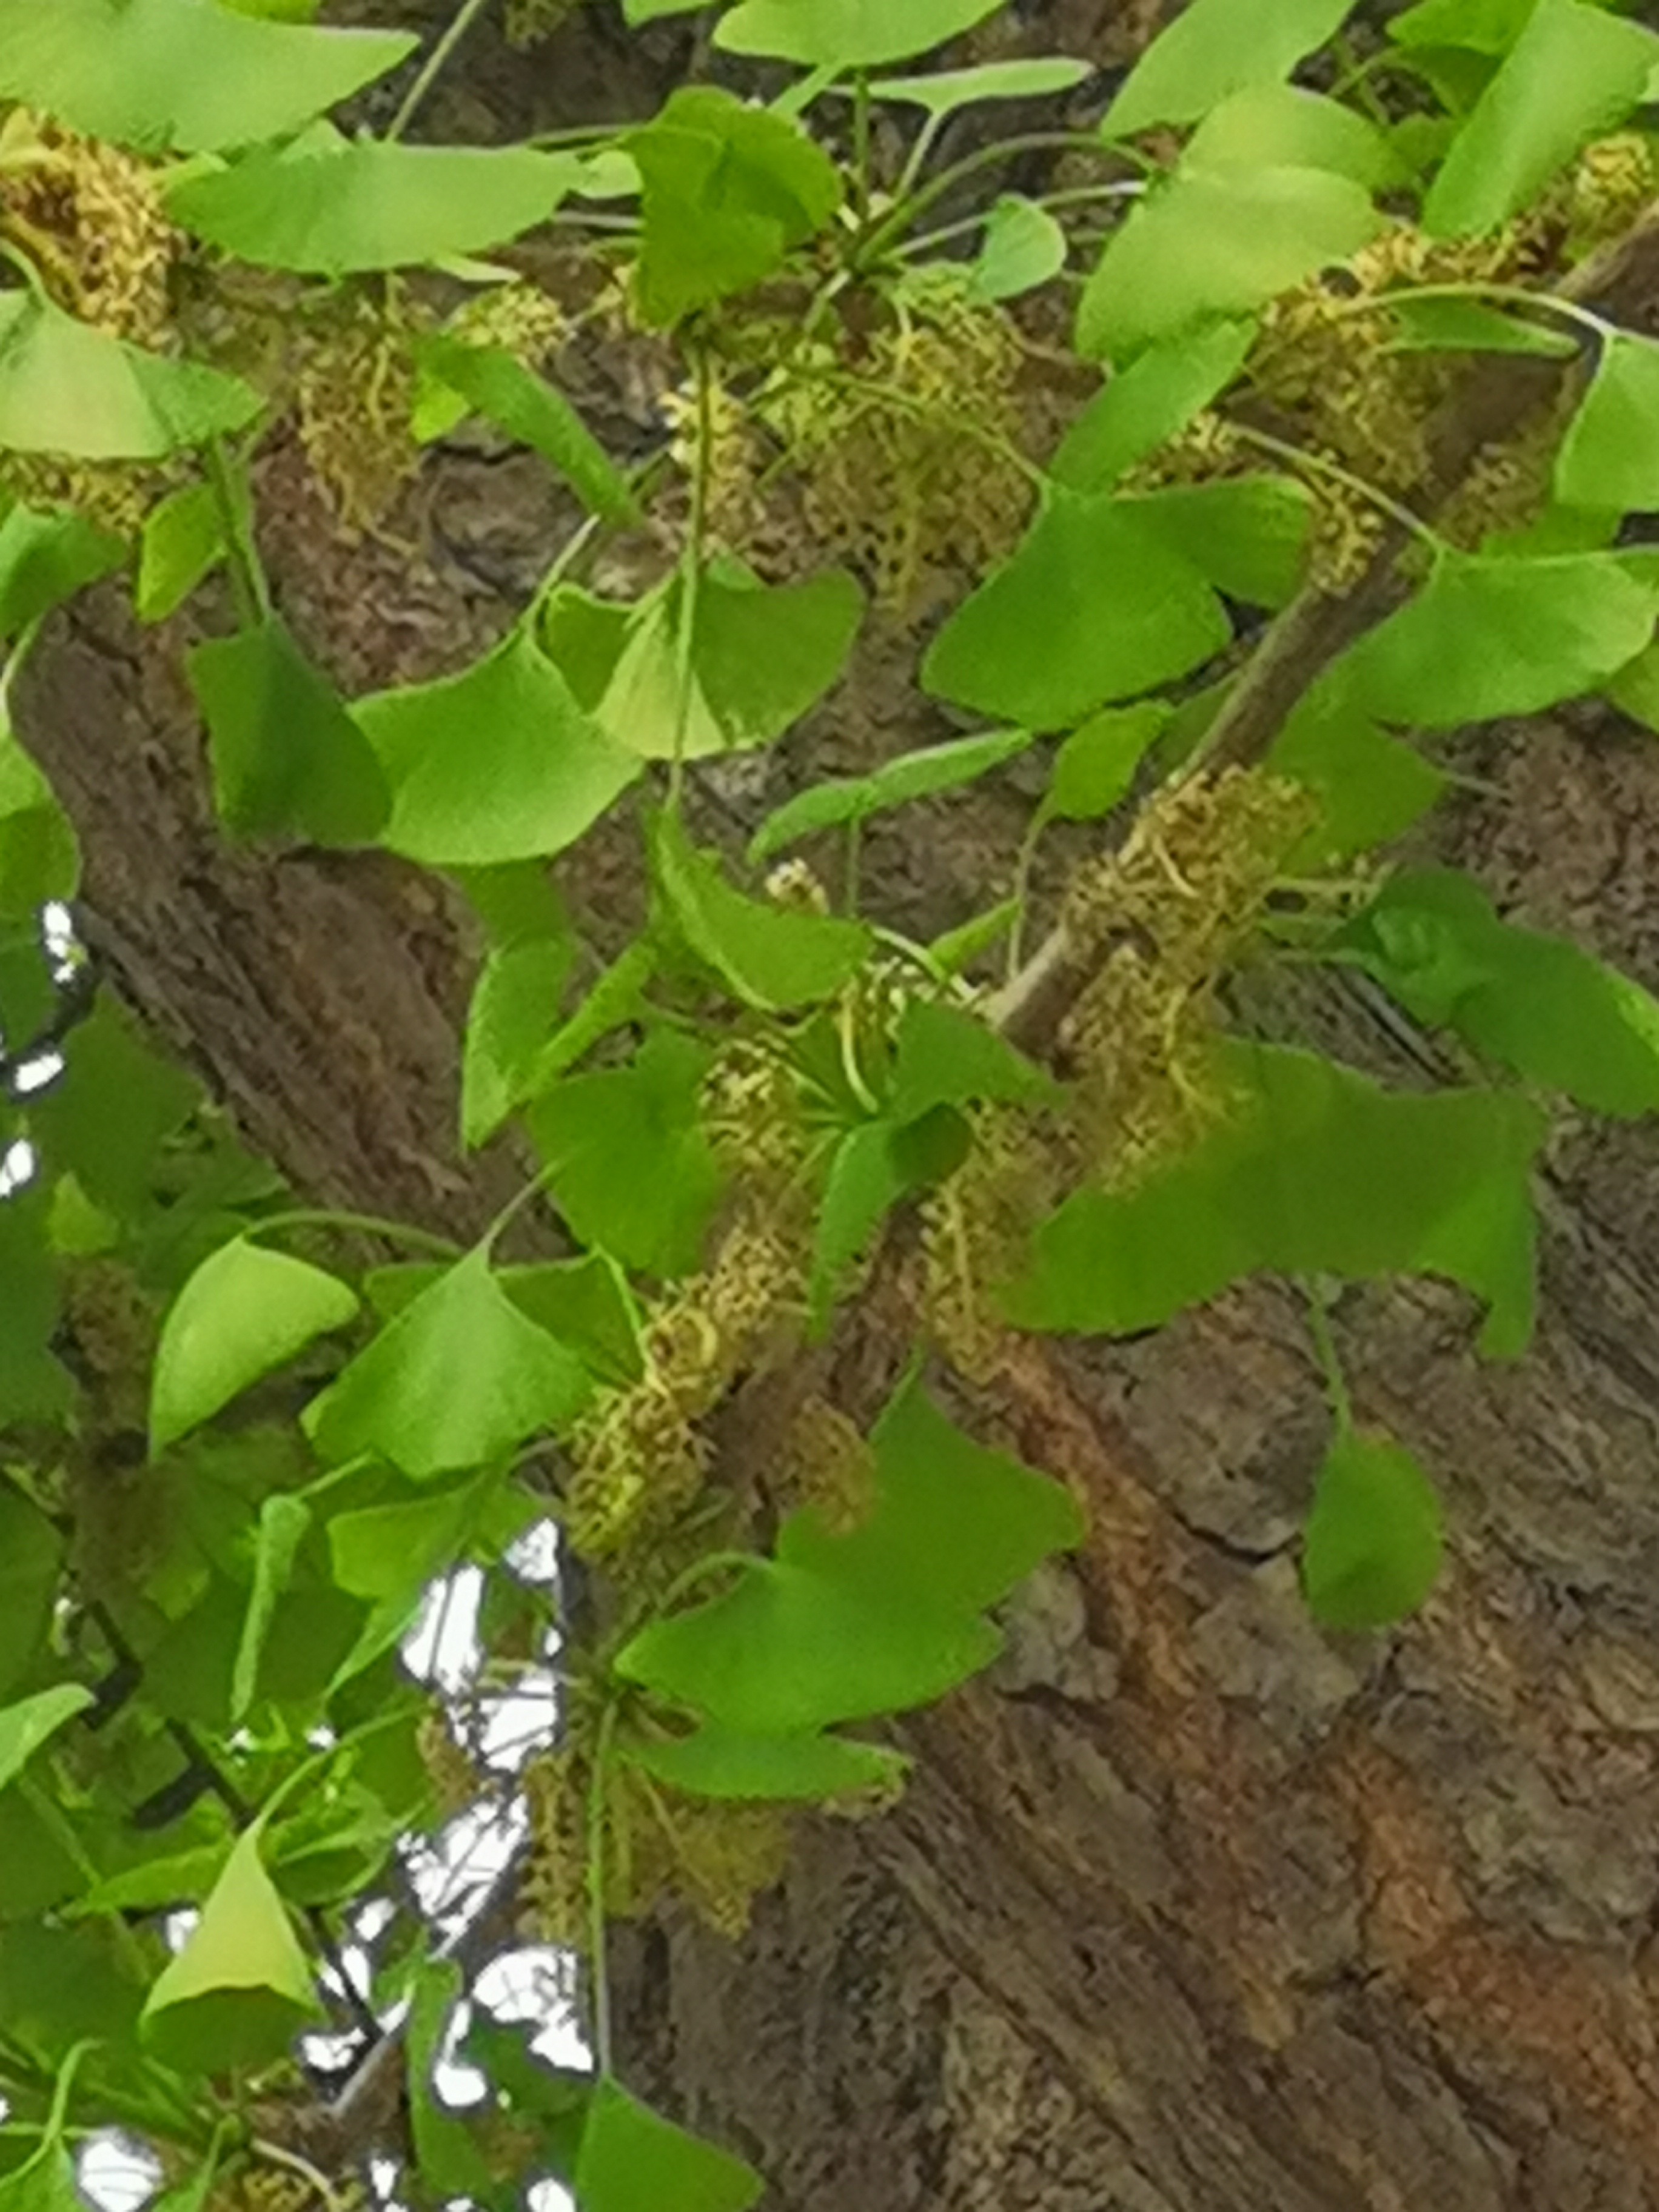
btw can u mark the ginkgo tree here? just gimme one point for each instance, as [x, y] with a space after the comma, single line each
[1359, 434]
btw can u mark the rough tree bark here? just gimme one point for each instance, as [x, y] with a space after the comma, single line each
[1191, 1909]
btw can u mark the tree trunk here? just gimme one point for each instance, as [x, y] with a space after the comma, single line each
[1190, 1908]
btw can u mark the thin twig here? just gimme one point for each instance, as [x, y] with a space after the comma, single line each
[436, 63]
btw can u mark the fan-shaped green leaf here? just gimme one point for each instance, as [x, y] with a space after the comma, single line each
[39, 854]
[717, 1763]
[1091, 606]
[368, 204]
[67, 388]
[1023, 247]
[1573, 74]
[514, 1015]
[1246, 535]
[631, 2160]
[457, 1380]
[1144, 405]
[244, 1312]
[924, 773]
[1316, 1171]
[1372, 1547]
[1491, 635]
[847, 33]
[768, 956]
[500, 387]
[1609, 458]
[1216, 242]
[182, 73]
[240, 1991]
[1371, 787]
[288, 759]
[30, 1556]
[34, 1720]
[284, 1523]
[1036, 77]
[1217, 47]
[497, 763]
[1280, 125]
[46, 555]
[1097, 764]
[1530, 1002]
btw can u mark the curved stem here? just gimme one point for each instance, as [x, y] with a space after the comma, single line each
[436, 63]
[691, 563]
[361, 1224]
[1303, 458]
[598, 1963]
[900, 219]
[277, 2155]
[1330, 1360]
[247, 577]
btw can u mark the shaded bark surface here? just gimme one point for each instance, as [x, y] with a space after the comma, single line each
[1191, 1909]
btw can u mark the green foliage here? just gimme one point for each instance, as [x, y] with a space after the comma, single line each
[751, 1134]
[1372, 1547]
[182, 73]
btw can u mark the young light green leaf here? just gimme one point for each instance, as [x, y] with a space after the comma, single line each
[288, 759]
[727, 192]
[1091, 606]
[46, 556]
[381, 1551]
[1635, 688]
[244, 1312]
[240, 1989]
[284, 1523]
[768, 956]
[847, 34]
[1609, 458]
[1214, 48]
[1490, 635]
[181, 73]
[107, 1116]
[717, 1763]
[1146, 404]
[1471, 326]
[787, 1651]
[1372, 1547]
[866, 1179]
[952, 1518]
[925, 774]
[1371, 787]
[1482, 27]
[183, 541]
[365, 203]
[957, 950]
[1247, 536]
[945, 1056]
[1096, 766]
[30, 1556]
[627, 1160]
[497, 763]
[514, 1012]
[33, 1722]
[39, 854]
[1023, 247]
[632, 2160]
[1573, 74]
[457, 1380]
[619, 996]
[1038, 76]
[1216, 242]
[1530, 1002]
[761, 656]
[1318, 1171]
[66, 388]
[1278, 125]
[497, 384]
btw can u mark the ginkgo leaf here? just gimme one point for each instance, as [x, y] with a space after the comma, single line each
[183, 73]
[1609, 458]
[925, 774]
[46, 556]
[458, 1379]
[1214, 48]
[1213, 243]
[500, 387]
[39, 854]
[1574, 73]
[716, 1763]
[66, 388]
[1146, 404]
[245, 1311]
[367, 205]
[34, 1720]
[240, 1989]
[632, 2160]
[851, 33]
[497, 763]
[1268, 126]
[1033, 76]
[1372, 1547]
[284, 1523]
[768, 956]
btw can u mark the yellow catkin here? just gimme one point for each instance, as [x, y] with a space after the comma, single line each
[1614, 184]
[638, 1459]
[827, 1465]
[353, 384]
[904, 443]
[975, 1230]
[553, 1894]
[456, 1782]
[521, 318]
[90, 217]
[1171, 914]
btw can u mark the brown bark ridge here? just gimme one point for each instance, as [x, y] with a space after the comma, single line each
[1190, 1909]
